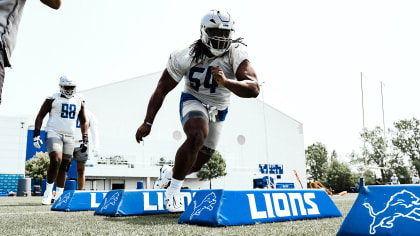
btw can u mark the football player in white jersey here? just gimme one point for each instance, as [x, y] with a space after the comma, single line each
[213, 67]
[64, 108]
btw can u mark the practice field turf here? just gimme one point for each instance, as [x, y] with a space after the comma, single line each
[26, 216]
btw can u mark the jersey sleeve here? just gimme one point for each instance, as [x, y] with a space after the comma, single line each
[80, 97]
[177, 65]
[237, 55]
[53, 96]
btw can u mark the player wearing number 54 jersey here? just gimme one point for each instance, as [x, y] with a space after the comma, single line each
[199, 81]
[213, 67]
[64, 108]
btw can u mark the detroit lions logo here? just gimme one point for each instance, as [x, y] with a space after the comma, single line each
[207, 203]
[111, 201]
[402, 204]
[63, 199]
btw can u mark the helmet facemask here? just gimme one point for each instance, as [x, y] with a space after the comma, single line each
[217, 29]
[68, 91]
[217, 40]
[67, 86]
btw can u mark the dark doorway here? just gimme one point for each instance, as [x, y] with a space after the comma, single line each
[117, 186]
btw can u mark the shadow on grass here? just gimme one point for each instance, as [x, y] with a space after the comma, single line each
[149, 220]
[21, 204]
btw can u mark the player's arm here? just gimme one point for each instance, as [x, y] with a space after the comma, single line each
[246, 85]
[45, 108]
[83, 128]
[165, 85]
[82, 119]
[55, 4]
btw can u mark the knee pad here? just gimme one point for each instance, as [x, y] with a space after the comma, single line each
[207, 150]
[67, 157]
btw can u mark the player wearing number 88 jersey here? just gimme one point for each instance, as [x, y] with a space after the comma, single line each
[64, 108]
[213, 67]
[63, 114]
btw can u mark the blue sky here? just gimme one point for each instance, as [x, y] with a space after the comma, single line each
[308, 53]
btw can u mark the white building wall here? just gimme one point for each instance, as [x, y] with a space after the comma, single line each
[120, 108]
[13, 134]
[284, 139]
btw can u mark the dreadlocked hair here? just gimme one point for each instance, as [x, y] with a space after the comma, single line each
[239, 40]
[198, 49]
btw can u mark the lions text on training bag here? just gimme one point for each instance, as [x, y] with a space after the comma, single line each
[384, 210]
[76, 200]
[227, 207]
[137, 202]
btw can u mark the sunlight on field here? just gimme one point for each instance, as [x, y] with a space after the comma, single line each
[26, 216]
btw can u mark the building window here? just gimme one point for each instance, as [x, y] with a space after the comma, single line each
[117, 186]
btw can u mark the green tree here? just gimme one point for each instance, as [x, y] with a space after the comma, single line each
[357, 161]
[406, 139]
[37, 166]
[369, 176]
[214, 168]
[333, 156]
[397, 166]
[361, 171]
[403, 174]
[375, 149]
[316, 161]
[338, 177]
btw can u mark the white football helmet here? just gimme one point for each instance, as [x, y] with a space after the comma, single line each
[67, 86]
[217, 29]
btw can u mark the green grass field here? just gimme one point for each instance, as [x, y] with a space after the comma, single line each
[26, 216]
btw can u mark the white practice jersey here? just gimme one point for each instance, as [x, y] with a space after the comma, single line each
[198, 78]
[93, 131]
[64, 113]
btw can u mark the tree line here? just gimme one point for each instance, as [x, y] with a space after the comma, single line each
[398, 153]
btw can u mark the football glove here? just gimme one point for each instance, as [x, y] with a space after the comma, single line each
[37, 139]
[84, 145]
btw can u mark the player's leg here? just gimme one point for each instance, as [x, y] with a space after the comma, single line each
[52, 173]
[80, 176]
[54, 145]
[68, 147]
[165, 177]
[209, 146]
[196, 130]
[81, 158]
[202, 158]
[61, 177]
[62, 172]
[194, 118]
[53, 167]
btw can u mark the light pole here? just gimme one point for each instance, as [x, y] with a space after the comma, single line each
[383, 119]
[383, 110]
[265, 137]
[363, 118]
[363, 106]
